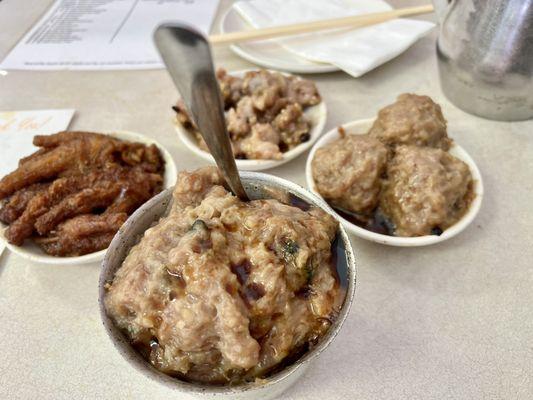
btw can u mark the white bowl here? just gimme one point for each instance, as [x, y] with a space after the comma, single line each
[257, 186]
[361, 127]
[31, 251]
[269, 53]
[316, 114]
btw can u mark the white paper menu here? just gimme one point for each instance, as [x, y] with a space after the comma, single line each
[103, 34]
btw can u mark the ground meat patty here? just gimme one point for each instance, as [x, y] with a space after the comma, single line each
[411, 120]
[347, 172]
[222, 290]
[427, 189]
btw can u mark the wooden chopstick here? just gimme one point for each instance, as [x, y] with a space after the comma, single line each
[354, 21]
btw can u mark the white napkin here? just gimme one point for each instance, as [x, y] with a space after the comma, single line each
[354, 51]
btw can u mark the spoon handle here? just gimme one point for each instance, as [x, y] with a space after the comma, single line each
[187, 56]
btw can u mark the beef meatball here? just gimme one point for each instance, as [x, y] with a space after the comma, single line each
[427, 190]
[411, 120]
[347, 172]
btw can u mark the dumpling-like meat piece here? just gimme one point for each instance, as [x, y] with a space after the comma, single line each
[241, 119]
[230, 87]
[264, 87]
[427, 190]
[411, 120]
[348, 172]
[263, 143]
[292, 125]
[302, 91]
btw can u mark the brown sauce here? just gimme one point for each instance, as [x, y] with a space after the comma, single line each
[242, 270]
[375, 222]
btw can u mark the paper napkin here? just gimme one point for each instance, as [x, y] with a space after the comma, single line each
[355, 51]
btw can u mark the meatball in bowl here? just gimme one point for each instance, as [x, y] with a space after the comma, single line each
[397, 179]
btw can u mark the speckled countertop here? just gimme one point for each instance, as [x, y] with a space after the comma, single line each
[450, 321]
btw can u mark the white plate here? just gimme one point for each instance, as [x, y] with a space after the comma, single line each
[32, 252]
[268, 53]
[361, 127]
[316, 114]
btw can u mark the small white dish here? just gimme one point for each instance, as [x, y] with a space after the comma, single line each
[268, 53]
[316, 114]
[32, 252]
[361, 127]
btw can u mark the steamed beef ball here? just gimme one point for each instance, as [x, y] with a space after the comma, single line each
[348, 172]
[411, 120]
[426, 190]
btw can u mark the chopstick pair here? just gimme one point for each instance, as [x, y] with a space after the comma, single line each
[355, 21]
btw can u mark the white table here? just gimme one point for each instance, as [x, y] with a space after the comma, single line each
[451, 321]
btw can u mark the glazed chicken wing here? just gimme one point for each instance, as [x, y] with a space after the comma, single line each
[23, 227]
[14, 206]
[83, 234]
[76, 153]
[77, 189]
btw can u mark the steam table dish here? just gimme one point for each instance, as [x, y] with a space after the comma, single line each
[271, 118]
[76, 192]
[262, 304]
[397, 179]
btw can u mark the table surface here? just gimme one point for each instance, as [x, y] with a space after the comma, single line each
[449, 321]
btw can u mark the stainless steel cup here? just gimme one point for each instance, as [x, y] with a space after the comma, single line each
[485, 56]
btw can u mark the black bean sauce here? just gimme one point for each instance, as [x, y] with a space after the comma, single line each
[242, 270]
[376, 222]
[295, 201]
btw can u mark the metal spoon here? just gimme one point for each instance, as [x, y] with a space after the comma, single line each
[187, 56]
